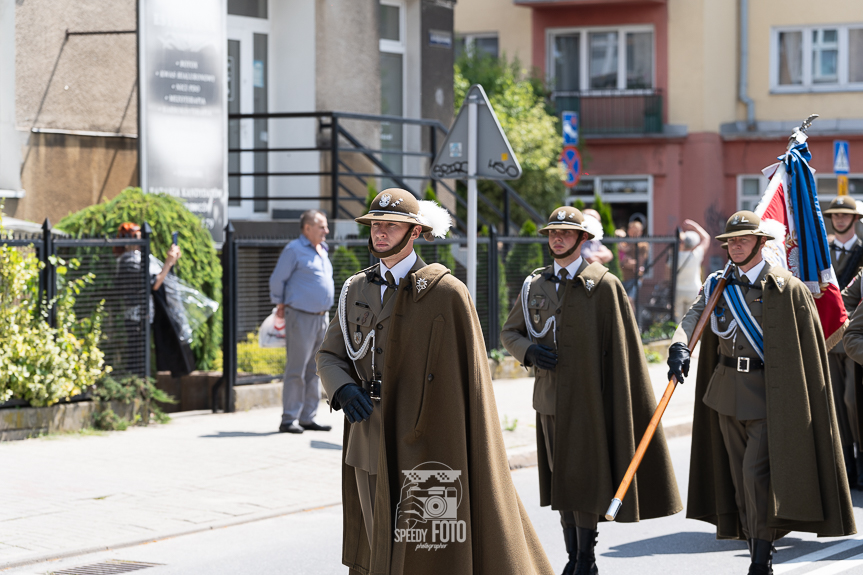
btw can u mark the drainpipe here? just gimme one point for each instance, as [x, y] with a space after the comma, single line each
[744, 66]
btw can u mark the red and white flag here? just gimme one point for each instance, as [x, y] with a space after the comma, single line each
[789, 211]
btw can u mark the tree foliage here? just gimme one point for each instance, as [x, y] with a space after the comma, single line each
[199, 265]
[533, 132]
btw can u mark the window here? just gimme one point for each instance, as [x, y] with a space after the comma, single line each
[601, 59]
[626, 194]
[749, 191]
[482, 43]
[392, 62]
[251, 8]
[826, 58]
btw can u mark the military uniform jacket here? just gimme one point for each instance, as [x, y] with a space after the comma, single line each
[600, 394]
[437, 407]
[847, 264]
[732, 392]
[808, 486]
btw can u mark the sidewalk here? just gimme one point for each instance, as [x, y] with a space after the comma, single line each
[68, 495]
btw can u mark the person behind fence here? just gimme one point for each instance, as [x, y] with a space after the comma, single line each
[766, 457]
[592, 393]
[633, 256]
[694, 242]
[302, 288]
[426, 481]
[593, 250]
[170, 326]
[846, 255]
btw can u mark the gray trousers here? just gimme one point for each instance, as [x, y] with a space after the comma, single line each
[749, 459]
[567, 518]
[301, 392]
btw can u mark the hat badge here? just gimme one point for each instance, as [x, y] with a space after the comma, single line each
[561, 215]
[735, 220]
[385, 200]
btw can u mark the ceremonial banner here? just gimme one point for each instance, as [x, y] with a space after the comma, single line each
[789, 211]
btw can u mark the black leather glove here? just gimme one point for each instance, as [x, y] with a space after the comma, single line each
[540, 356]
[355, 402]
[678, 361]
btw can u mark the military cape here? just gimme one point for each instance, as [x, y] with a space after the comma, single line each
[808, 486]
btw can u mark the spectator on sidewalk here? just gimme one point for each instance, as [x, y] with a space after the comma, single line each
[593, 251]
[302, 287]
[693, 245]
[632, 256]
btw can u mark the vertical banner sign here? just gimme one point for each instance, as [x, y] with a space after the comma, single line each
[183, 105]
[841, 166]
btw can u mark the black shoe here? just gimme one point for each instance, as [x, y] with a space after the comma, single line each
[571, 540]
[586, 564]
[315, 426]
[762, 557]
[290, 428]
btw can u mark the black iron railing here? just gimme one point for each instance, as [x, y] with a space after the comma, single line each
[610, 112]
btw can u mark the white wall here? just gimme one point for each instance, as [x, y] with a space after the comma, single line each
[10, 145]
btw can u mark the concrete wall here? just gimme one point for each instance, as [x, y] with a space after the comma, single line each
[764, 14]
[702, 64]
[10, 152]
[74, 83]
[512, 24]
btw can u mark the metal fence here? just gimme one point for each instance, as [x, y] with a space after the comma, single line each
[503, 263]
[125, 334]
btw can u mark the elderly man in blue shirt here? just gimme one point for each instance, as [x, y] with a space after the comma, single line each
[302, 287]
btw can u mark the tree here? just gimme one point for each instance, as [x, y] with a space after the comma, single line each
[523, 259]
[199, 267]
[532, 131]
[439, 253]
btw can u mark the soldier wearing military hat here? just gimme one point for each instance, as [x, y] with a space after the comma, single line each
[760, 465]
[405, 361]
[573, 324]
[846, 255]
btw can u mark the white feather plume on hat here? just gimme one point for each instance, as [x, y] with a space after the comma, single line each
[593, 226]
[435, 217]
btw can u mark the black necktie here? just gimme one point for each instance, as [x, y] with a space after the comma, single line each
[391, 288]
[562, 274]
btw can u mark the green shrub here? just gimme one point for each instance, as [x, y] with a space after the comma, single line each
[199, 266]
[38, 363]
[126, 390]
[251, 358]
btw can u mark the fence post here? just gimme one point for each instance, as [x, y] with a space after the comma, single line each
[675, 259]
[229, 316]
[48, 277]
[146, 234]
[493, 291]
[506, 216]
[334, 165]
[433, 150]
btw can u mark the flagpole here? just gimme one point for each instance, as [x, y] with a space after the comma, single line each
[617, 502]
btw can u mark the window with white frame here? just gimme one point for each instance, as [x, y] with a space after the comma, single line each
[750, 188]
[479, 43]
[817, 58]
[392, 51]
[583, 59]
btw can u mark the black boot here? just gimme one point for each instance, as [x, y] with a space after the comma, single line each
[571, 540]
[762, 557]
[586, 564]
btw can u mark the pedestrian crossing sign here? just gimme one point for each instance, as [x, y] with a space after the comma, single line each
[840, 157]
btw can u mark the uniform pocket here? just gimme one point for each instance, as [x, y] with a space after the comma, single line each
[428, 375]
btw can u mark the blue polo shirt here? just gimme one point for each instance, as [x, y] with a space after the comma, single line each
[303, 279]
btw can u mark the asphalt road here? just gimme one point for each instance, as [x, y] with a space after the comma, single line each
[309, 543]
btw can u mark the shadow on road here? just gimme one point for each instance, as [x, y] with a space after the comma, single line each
[220, 434]
[325, 445]
[675, 544]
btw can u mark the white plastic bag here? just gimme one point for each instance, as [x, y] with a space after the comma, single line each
[272, 332]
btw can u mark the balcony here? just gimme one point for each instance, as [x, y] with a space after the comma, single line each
[613, 112]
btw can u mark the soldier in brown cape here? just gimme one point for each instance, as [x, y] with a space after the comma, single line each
[426, 482]
[592, 394]
[766, 458]
[846, 255]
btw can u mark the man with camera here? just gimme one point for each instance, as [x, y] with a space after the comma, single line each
[592, 394]
[405, 361]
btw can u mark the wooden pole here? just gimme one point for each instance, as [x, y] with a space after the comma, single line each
[666, 397]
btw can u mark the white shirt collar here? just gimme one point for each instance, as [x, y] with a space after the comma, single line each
[571, 268]
[753, 273]
[847, 245]
[399, 271]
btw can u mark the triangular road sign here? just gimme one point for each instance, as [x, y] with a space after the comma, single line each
[495, 159]
[840, 157]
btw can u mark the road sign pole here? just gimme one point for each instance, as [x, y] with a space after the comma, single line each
[471, 197]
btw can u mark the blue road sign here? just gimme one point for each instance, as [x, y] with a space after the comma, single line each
[841, 165]
[570, 128]
[571, 160]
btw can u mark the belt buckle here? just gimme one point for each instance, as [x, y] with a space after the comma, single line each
[743, 364]
[375, 389]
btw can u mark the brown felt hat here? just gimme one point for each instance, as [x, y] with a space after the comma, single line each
[842, 205]
[743, 223]
[394, 205]
[566, 218]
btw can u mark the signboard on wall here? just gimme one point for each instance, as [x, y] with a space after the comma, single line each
[183, 105]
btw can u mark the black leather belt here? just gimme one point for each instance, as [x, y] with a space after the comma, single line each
[742, 364]
[374, 388]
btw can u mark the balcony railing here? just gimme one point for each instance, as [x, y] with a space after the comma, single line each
[610, 112]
